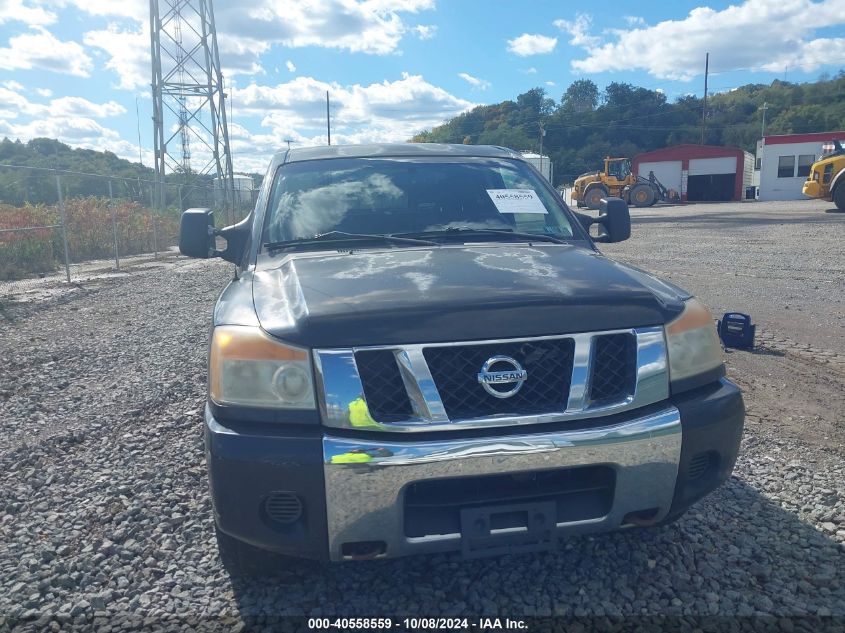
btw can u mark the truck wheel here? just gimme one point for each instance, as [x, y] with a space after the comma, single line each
[244, 560]
[642, 196]
[593, 197]
[839, 197]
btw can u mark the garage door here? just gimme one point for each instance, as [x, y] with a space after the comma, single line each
[707, 166]
[712, 179]
[711, 188]
[667, 172]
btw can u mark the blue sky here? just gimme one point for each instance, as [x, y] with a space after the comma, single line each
[73, 69]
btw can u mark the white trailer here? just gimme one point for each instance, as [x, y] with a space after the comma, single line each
[542, 163]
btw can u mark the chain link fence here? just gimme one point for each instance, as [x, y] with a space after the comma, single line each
[58, 226]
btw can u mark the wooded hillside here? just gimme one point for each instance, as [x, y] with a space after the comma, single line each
[130, 181]
[585, 125]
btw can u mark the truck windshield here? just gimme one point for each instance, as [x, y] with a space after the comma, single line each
[383, 196]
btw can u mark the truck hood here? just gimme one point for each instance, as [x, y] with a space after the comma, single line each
[453, 293]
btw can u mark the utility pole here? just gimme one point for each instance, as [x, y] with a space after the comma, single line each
[704, 109]
[288, 141]
[138, 122]
[542, 134]
[764, 107]
[328, 119]
[63, 216]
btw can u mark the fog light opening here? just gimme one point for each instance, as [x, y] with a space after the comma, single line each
[702, 465]
[283, 507]
[363, 550]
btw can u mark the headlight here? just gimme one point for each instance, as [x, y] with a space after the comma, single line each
[692, 342]
[249, 368]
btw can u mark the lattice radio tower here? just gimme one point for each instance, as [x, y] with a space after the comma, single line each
[189, 111]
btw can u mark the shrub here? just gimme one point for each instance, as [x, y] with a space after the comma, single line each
[23, 253]
[89, 234]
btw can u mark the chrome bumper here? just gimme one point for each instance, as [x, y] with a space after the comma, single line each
[364, 499]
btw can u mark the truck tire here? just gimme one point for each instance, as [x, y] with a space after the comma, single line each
[243, 560]
[642, 196]
[593, 196]
[839, 197]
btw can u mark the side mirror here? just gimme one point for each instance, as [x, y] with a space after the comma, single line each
[197, 236]
[615, 220]
[236, 237]
[196, 233]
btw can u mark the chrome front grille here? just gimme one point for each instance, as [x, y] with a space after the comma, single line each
[386, 396]
[436, 386]
[613, 374]
[455, 370]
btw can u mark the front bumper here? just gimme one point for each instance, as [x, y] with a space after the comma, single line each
[812, 189]
[353, 489]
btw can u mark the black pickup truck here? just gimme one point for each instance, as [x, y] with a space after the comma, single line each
[423, 350]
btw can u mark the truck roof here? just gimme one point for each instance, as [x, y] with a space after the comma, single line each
[394, 149]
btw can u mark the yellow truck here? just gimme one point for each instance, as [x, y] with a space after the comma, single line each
[826, 179]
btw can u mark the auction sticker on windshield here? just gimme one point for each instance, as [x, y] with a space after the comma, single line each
[516, 201]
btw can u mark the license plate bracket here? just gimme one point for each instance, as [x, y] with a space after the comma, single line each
[508, 529]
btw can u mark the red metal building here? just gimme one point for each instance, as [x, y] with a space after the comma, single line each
[699, 172]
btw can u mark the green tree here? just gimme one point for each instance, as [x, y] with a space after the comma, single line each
[581, 96]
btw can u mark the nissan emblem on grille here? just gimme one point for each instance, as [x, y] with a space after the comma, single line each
[514, 375]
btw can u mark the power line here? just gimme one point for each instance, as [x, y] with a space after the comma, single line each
[70, 172]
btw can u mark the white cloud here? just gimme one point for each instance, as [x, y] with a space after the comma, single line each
[12, 102]
[410, 6]
[247, 32]
[11, 94]
[128, 54]
[386, 111]
[44, 92]
[530, 71]
[80, 131]
[358, 26]
[528, 44]
[475, 82]
[290, 66]
[551, 84]
[634, 20]
[21, 11]
[578, 30]
[78, 106]
[425, 31]
[754, 34]
[41, 49]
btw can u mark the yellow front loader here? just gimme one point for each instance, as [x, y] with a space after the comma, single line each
[617, 181]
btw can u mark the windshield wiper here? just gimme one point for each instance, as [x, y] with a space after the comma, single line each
[465, 231]
[333, 237]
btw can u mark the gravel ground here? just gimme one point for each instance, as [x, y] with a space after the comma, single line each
[780, 262]
[105, 518]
